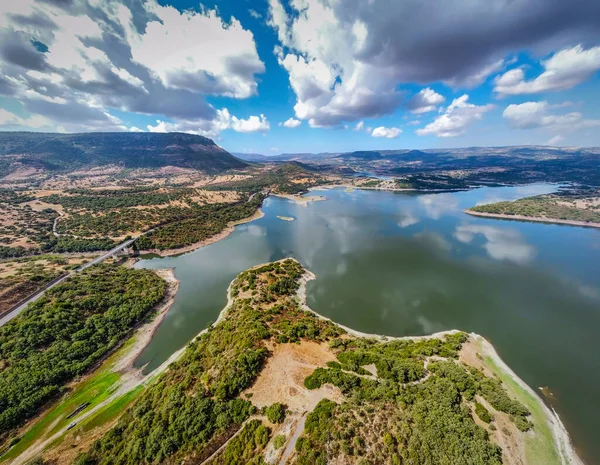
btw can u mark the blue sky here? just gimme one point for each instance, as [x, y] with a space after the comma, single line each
[345, 74]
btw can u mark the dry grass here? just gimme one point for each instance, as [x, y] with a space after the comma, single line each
[282, 378]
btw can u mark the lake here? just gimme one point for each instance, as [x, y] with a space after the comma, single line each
[411, 264]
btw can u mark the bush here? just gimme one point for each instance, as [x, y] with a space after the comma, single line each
[483, 413]
[275, 413]
[279, 441]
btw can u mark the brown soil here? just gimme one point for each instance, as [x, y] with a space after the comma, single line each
[282, 378]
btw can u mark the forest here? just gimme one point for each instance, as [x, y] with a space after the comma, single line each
[68, 330]
[204, 222]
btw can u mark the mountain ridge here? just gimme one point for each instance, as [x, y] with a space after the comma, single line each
[66, 152]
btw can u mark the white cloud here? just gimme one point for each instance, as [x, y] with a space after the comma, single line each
[10, 120]
[255, 14]
[456, 118]
[556, 140]
[135, 56]
[562, 71]
[291, 123]
[500, 243]
[359, 126]
[389, 133]
[212, 128]
[425, 101]
[346, 59]
[531, 115]
[196, 51]
[319, 53]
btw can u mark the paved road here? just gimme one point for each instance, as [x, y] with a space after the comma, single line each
[6, 318]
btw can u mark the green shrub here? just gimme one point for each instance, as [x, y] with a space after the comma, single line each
[275, 413]
[483, 413]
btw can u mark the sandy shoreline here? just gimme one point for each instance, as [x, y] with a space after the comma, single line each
[145, 333]
[211, 240]
[501, 216]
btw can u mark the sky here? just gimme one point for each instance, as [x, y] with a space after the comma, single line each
[273, 76]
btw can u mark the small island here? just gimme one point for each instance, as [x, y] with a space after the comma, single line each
[286, 218]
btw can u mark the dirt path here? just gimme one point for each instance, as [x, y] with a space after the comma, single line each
[291, 445]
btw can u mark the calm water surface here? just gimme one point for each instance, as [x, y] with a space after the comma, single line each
[412, 264]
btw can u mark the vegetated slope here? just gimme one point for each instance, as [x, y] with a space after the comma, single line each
[65, 332]
[419, 407]
[285, 178]
[67, 152]
[584, 209]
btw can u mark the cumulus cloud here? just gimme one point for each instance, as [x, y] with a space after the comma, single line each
[72, 65]
[9, 119]
[556, 140]
[425, 101]
[195, 51]
[346, 60]
[389, 133]
[291, 123]
[563, 70]
[212, 128]
[532, 115]
[455, 120]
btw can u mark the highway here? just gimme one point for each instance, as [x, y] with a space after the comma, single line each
[9, 316]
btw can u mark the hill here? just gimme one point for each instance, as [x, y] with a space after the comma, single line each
[272, 382]
[68, 152]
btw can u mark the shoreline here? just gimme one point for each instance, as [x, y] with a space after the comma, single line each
[130, 377]
[533, 219]
[146, 331]
[562, 440]
[211, 240]
[389, 189]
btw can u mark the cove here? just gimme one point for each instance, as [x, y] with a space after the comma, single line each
[413, 263]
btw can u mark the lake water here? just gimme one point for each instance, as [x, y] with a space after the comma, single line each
[412, 264]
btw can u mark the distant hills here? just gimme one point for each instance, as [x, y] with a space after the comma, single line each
[67, 152]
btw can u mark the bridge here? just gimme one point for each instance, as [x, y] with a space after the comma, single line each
[19, 307]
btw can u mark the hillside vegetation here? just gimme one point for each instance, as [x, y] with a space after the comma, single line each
[419, 407]
[552, 207]
[61, 335]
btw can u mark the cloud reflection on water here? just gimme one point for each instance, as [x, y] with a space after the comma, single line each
[436, 205]
[500, 243]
